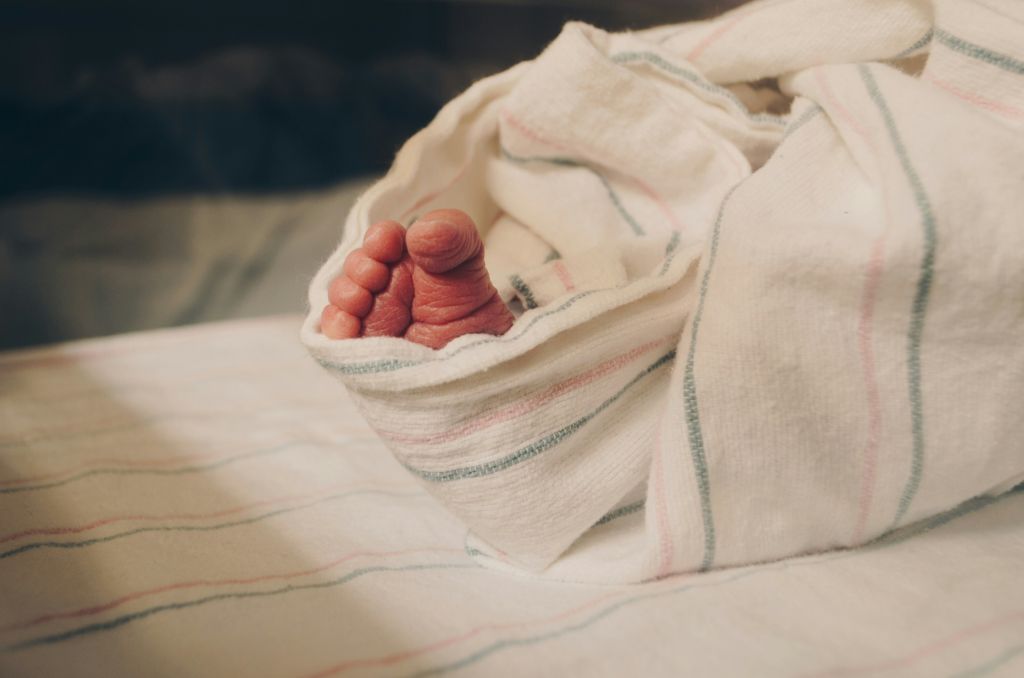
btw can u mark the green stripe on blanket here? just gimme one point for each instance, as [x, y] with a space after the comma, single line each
[920, 304]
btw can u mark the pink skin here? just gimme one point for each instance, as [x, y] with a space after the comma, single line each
[428, 284]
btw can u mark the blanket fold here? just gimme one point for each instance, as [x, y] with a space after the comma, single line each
[771, 284]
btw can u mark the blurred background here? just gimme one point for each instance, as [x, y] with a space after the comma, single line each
[166, 163]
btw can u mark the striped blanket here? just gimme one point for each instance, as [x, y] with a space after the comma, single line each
[207, 502]
[771, 268]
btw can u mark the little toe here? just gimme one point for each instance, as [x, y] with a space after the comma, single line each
[442, 240]
[385, 241]
[337, 324]
[366, 271]
[350, 296]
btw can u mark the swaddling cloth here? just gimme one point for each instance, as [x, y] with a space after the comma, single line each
[757, 322]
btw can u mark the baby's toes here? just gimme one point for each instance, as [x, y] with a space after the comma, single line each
[366, 271]
[349, 296]
[337, 324]
[373, 295]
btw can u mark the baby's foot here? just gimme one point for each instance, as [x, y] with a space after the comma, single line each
[428, 285]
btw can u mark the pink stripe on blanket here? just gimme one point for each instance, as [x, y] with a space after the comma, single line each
[112, 463]
[530, 404]
[164, 467]
[838, 107]
[388, 660]
[874, 402]
[713, 37]
[925, 651]
[865, 330]
[977, 100]
[75, 529]
[727, 26]
[111, 604]
[563, 276]
[666, 548]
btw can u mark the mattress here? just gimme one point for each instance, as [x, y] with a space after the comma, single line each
[205, 501]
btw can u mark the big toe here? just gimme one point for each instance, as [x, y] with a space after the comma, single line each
[453, 294]
[442, 240]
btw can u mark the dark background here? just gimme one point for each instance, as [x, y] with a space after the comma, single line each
[132, 133]
[127, 97]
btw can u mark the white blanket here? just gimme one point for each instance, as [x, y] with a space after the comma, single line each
[206, 502]
[764, 317]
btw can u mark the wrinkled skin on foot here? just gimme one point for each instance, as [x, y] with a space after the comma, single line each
[428, 284]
